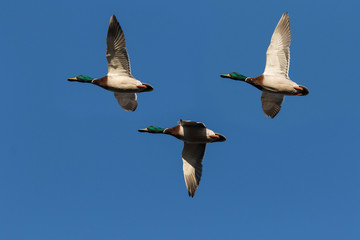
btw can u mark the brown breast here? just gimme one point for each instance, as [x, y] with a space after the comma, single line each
[257, 82]
[173, 131]
[102, 82]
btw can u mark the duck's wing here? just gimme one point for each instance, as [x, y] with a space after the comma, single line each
[116, 54]
[278, 52]
[127, 100]
[191, 123]
[271, 103]
[192, 156]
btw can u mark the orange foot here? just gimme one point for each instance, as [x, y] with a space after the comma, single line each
[214, 136]
[141, 86]
[299, 88]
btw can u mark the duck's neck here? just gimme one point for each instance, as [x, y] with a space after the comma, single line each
[154, 129]
[174, 131]
[257, 82]
[238, 76]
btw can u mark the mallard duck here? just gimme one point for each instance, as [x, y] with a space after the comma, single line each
[195, 136]
[275, 81]
[119, 79]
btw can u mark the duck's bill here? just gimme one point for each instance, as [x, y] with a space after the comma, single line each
[225, 75]
[72, 79]
[143, 130]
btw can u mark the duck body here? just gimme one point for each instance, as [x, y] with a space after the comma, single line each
[275, 82]
[122, 84]
[195, 136]
[119, 79]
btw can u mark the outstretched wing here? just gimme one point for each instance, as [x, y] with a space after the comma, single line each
[127, 100]
[116, 54]
[192, 156]
[278, 52]
[271, 103]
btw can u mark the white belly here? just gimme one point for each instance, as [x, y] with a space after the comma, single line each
[279, 85]
[123, 84]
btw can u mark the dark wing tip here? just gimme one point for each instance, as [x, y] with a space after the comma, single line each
[113, 21]
[131, 107]
[285, 16]
[113, 18]
[273, 114]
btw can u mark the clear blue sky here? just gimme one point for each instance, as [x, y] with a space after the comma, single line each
[73, 165]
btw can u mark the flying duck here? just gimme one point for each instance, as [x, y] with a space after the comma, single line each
[195, 136]
[119, 79]
[275, 82]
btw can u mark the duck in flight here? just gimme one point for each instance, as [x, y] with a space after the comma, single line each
[119, 79]
[275, 82]
[195, 137]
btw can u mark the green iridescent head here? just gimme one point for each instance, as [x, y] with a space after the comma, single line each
[234, 76]
[81, 78]
[152, 129]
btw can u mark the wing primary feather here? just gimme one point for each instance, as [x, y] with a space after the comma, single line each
[271, 103]
[116, 53]
[127, 101]
[192, 157]
[278, 52]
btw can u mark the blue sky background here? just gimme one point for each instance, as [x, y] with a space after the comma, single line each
[73, 165]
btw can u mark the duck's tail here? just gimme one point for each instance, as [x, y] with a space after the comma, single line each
[303, 92]
[148, 88]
